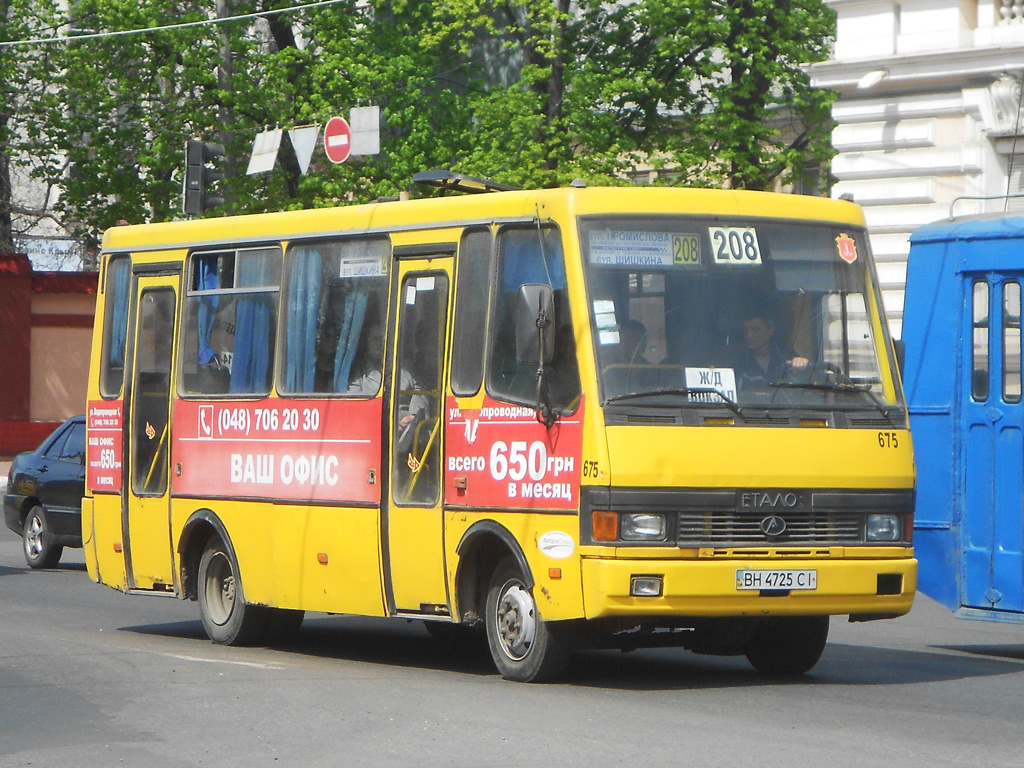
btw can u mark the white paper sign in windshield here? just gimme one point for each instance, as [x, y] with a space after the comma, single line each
[704, 383]
[361, 266]
[626, 248]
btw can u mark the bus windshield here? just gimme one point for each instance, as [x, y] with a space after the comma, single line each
[729, 313]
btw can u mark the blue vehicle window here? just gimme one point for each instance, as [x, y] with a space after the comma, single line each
[56, 448]
[979, 363]
[1011, 342]
[73, 448]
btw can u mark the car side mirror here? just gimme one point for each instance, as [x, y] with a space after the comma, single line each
[535, 324]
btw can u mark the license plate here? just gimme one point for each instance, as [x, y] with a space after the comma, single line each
[761, 578]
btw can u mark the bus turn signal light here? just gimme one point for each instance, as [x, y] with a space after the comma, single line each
[606, 525]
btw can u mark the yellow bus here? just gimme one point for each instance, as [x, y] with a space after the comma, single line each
[563, 419]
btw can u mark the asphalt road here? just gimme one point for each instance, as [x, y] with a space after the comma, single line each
[93, 678]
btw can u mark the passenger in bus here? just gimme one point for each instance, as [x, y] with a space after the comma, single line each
[366, 377]
[368, 366]
[762, 359]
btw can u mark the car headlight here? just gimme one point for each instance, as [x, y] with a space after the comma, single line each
[642, 526]
[883, 527]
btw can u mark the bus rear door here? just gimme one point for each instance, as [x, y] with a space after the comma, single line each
[992, 425]
[413, 528]
[146, 518]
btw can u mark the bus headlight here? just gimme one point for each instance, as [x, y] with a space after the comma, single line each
[883, 527]
[642, 526]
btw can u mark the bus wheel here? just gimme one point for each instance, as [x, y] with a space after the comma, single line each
[226, 617]
[787, 645]
[524, 647]
[40, 551]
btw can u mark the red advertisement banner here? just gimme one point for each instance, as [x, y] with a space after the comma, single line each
[501, 456]
[104, 424]
[298, 450]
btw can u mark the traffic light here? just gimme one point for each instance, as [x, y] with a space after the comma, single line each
[200, 175]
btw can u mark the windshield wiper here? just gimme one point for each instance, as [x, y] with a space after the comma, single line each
[837, 386]
[682, 391]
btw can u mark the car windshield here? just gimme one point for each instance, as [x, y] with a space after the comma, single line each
[729, 313]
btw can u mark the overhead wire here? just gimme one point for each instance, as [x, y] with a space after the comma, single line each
[168, 27]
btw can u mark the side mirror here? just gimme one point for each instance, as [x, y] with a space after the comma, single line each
[535, 324]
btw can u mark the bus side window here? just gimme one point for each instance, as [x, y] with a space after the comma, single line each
[979, 337]
[332, 341]
[115, 325]
[231, 322]
[471, 312]
[1011, 342]
[525, 259]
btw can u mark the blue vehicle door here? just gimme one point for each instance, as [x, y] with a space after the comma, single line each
[992, 425]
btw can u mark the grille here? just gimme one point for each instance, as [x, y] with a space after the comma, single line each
[722, 528]
[875, 423]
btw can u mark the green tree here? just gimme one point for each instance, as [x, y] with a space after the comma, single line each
[528, 92]
[24, 78]
[713, 91]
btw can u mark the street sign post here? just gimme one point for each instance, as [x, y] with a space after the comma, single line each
[337, 139]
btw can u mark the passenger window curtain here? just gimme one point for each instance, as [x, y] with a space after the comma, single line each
[303, 302]
[353, 315]
[206, 280]
[250, 368]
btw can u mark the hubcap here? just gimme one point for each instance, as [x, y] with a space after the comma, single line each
[517, 622]
[34, 538]
[220, 589]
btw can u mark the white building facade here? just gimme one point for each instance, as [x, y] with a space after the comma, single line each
[928, 116]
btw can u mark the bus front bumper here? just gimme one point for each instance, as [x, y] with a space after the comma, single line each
[861, 588]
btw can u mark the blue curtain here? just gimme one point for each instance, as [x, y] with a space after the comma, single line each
[120, 280]
[250, 369]
[353, 314]
[525, 262]
[303, 302]
[207, 313]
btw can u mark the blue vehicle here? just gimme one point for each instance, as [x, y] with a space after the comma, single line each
[962, 375]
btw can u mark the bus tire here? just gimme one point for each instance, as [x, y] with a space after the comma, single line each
[524, 647]
[226, 617]
[37, 540]
[787, 645]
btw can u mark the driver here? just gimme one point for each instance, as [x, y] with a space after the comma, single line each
[762, 358]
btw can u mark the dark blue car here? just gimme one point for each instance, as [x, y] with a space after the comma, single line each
[43, 503]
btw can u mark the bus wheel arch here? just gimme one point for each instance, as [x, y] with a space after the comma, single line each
[524, 647]
[494, 583]
[199, 528]
[480, 550]
[215, 581]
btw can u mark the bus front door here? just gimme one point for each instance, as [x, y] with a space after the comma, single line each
[145, 522]
[413, 526]
[992, 425]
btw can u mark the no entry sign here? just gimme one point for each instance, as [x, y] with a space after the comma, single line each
[337, 139]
